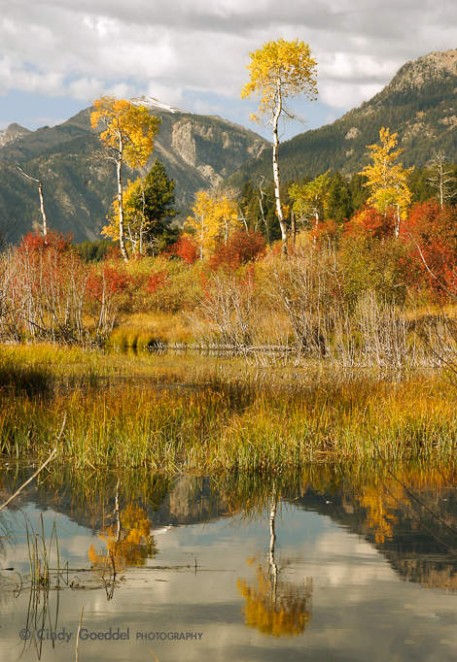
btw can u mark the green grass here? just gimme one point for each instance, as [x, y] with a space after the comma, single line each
[186, 413]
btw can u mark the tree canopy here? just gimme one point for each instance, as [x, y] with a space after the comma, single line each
[387, 179]
[278, 70]
[129, 131]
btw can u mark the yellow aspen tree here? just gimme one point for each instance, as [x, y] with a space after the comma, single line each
[128, 133]
[387, 179]
[134, 220]
[214, 219]
[309, 200]
[279, 70]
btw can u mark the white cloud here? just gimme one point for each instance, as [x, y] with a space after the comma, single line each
[171, 48]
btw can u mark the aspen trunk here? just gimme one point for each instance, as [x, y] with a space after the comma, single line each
[120, 200]
[271, 555]
[44, 220]
[276, 174]
[397, 221]
[42, 210]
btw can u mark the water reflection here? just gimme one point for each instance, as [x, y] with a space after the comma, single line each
[275, 606]
[325, 551]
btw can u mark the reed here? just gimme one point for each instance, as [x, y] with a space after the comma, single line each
[171, 414]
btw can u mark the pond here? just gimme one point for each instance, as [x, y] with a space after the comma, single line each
[333, 564]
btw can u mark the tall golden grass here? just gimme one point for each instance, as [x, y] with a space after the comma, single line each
[173, 413]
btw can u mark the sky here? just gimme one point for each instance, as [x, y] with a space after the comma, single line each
[57, 56]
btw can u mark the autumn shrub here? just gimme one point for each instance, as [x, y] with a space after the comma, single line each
[325, 232]
[379, 265]
[370, 223]
[47, 283]
[185, 249]
[156, 281]
[241, 247]
[162, 285]
[307, 288]
[430, 231]
[226, 310]
[108, 294]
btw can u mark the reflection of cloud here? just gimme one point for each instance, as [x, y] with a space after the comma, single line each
[350, 562]
[359, 604]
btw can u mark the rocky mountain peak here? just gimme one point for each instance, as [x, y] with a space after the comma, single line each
[417, 73]
[12, 133]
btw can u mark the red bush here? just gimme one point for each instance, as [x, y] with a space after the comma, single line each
[156, 281]
[431, 231]
[369, 222]
[185, 249]
[109, 281]
[241, 248]
[33, 242]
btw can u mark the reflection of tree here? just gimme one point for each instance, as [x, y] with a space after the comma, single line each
[274, 606]
[128, 539]
[381, 501]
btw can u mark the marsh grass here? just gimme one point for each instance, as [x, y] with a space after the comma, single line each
[40, 552]
[185, 413]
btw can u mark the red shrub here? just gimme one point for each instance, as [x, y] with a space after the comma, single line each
[431, 231]
[185, 249]
[107, 282]
[241, 248]
[370, 222]
[156, 281]
[33, 242]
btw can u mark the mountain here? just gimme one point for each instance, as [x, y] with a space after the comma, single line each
[12, 133]
[419, 103]
[79, 181]
[199, 151]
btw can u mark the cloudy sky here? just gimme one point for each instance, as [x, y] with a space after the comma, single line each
[56, 56]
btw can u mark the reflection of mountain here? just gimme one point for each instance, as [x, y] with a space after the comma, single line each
[415, 528]
[179, 501]
[422, 546]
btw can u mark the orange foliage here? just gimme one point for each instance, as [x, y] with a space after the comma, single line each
[431, 231]
[242, 247]
[130, 545]
[185, 249]
[34, 242]
[369, 221]
[109, 281]
[156, 281]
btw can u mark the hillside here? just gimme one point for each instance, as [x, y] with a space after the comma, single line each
[79, 182]
[419, 103]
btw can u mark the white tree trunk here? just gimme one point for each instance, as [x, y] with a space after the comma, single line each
[120, 199]
[44, 220]
[276, 174]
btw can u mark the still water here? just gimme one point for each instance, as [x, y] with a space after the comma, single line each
[330, 565]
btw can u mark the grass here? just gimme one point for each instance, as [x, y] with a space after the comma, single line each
[141, 331]
[188, 413]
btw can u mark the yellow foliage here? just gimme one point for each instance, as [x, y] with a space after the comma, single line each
[277, 611]
[129, 128]
[386, 179]
[283, 68]
[129, 546]
[214, 219]
[132, 218]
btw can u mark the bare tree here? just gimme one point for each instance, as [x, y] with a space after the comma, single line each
[442, 178]
[44, 220]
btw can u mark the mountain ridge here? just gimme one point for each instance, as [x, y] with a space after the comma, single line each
[198, 151]
[418, 103]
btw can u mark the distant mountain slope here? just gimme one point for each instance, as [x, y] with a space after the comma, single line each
[79, 182]
[419, 103]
